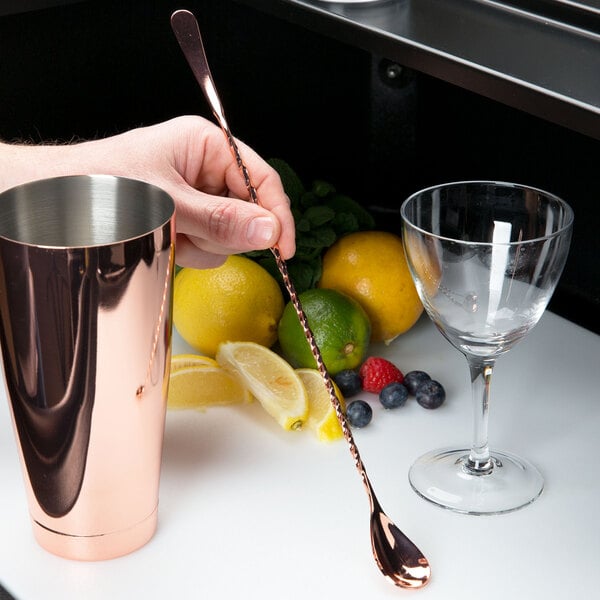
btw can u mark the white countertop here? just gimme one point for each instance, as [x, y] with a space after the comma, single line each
[250, 511]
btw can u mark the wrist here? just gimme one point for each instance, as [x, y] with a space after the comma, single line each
[20, 163]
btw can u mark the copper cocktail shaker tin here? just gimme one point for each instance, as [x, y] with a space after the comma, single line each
[86, 270]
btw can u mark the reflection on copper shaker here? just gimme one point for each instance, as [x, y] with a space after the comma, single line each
[86, 266]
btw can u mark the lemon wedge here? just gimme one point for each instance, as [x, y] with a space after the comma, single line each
[322, 420]
[199, 382]
[270, 379]
[180, 361]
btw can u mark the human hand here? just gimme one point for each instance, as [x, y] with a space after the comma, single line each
[190, 159]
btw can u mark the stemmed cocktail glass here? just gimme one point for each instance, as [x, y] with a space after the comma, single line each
[486, 258]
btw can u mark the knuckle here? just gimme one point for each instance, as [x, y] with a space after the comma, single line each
[221, 221]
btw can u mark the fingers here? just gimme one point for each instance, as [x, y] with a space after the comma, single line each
[287, 237]
[222, 226]
[220, 218]
[190, 255]
[214, 214]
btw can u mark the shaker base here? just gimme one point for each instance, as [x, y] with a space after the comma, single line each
[96, 547]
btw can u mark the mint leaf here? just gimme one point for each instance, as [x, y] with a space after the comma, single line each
[291, 182]
[257, 254]
[319, 215]
[322, 189]
[317, 270]
[345, 223]
[302, 225]
[269, 264]
[309, 199]
[307, 252]
[322, 237]
[305, 274]
[344, 204]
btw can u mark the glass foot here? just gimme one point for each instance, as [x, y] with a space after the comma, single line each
[442, 477]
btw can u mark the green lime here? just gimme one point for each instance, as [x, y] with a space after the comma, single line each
[340, 325]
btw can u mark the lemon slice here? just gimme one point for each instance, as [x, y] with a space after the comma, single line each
[270, 379]
[199, 385]
[180, 361]
[322, 419]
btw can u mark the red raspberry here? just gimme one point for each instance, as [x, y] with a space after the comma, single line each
[377, 372]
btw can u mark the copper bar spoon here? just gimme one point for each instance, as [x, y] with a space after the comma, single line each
[396, 556]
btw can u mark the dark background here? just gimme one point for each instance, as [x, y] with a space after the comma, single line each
[93, 68]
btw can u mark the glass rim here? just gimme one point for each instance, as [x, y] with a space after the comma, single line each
[569, 214]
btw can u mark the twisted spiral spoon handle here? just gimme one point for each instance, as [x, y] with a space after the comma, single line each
[396, 556]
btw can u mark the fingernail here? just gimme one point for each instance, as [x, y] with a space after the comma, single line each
[260, 231]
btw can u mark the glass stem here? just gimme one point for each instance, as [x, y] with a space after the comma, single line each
[479, 461]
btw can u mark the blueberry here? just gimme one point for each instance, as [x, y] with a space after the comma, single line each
[431, 394]
[393, 395]
[359, 413]
[349, 382]
[413, 379]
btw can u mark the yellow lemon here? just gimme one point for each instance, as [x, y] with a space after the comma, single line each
[340, 325]
[424, 259]
[270, 379]
[194, 384]
[370, 266]
[322, 419]
[238, 301]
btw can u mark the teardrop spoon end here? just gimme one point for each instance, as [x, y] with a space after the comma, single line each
[397, 557]
[412, 577]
